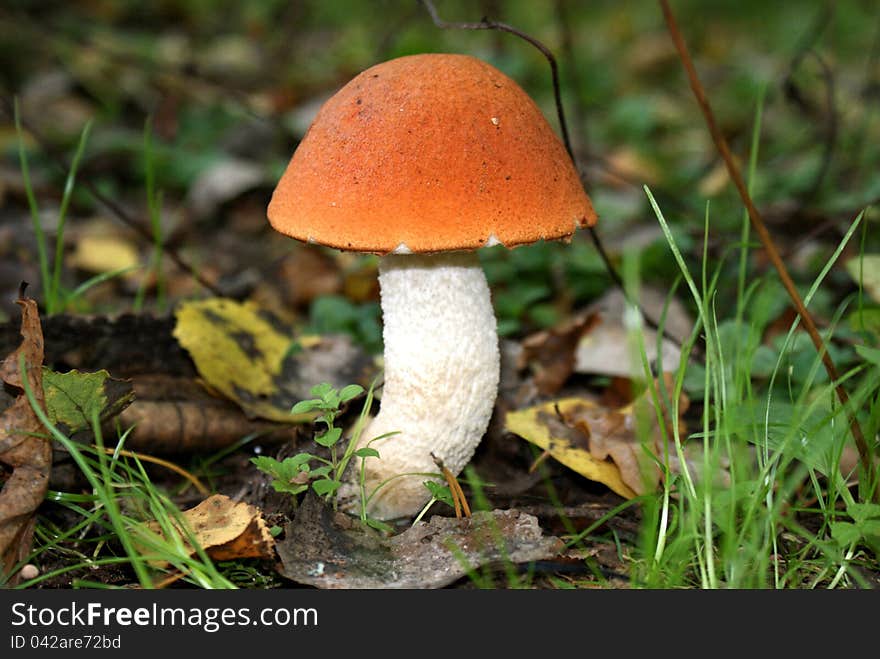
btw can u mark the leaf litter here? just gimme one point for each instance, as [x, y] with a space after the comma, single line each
[241, 353]
[22, 448]
[334, 551]
[224, 528]
[602, 443]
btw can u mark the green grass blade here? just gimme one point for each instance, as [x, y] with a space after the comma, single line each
[37, 223]
[53, 297]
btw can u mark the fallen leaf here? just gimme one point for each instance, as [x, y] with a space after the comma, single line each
[104, 253]
[600, 443]
[865, 269]
[221, 182]
[73, 398]
[545, 426]
[177, 415]
[307, 273]
[626, 165]
[714, 182]
[606, 350]
[550, 354]
[29, 455]
[240, 352]
[330, 550]
[225, 529]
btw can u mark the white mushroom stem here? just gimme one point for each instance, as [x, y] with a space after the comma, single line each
[441, 376]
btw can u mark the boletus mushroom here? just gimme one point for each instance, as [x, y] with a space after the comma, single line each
[422, 160]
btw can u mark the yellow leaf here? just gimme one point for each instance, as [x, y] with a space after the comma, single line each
[225, 529]
[239, 353]
[541, 425]
[105, 253]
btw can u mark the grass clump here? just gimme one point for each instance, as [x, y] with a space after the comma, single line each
[111, 527]
[786, 516]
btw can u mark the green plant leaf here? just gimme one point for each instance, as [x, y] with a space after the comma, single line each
[321, 472]
[330, 437]
[367, 452]
[322, 390]
[266, 464]
[862, 512]
[326, 486]
[289, 488]
[870, 354]
[379, 525]
[285, 470]
[73, 397]
[304, 406]
[845, 533]
[440, 492]
[350, 391]
[865, 320]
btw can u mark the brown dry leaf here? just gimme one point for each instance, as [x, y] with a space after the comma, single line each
[551, 353]
[29, 456]
[598, 442]
[227, 529]
[307, 273]
[174, 415]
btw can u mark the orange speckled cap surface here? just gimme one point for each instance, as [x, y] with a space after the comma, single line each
[435, 151]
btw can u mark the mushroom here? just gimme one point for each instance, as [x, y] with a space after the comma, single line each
[422, 160]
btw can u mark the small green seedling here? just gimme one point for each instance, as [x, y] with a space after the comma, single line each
[290, 475]
[294, 474]
[438, 493]
[864, 528]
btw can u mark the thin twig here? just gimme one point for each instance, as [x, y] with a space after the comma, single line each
[566, 41]
[767, 241]
[487, 24]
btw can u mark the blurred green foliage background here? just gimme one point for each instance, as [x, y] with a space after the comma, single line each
[238, 82]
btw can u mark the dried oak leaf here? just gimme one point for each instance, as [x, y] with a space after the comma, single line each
[28, 455]
[225, 529]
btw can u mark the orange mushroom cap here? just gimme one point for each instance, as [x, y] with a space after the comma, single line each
[436, 152]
